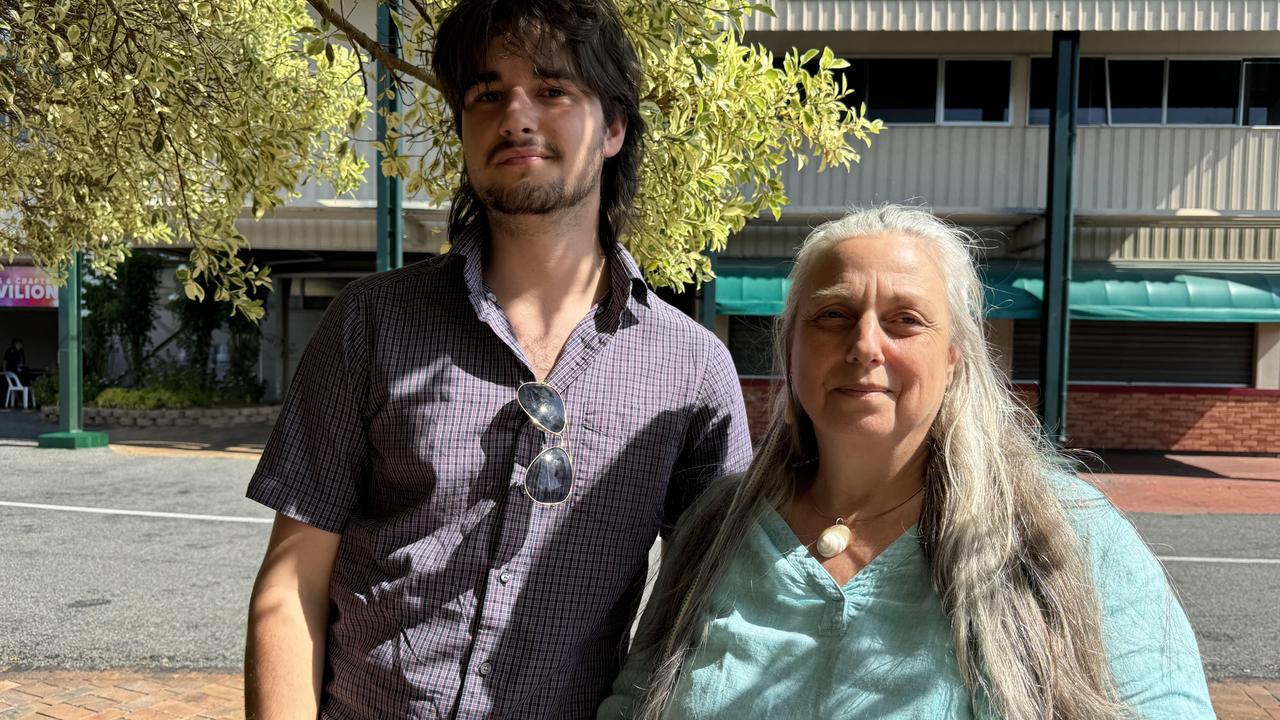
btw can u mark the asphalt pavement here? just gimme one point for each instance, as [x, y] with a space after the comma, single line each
[1231, 599]
[168, 588]
[82, 590]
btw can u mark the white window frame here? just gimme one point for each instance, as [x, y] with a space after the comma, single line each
[942, 91]
[1164, 98]
[1164, 92]
[939, 94]
[937, 81]
[1106, 84]
[1244, 68]
[1239, 93]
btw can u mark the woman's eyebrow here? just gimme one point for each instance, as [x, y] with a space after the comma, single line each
[844, 292]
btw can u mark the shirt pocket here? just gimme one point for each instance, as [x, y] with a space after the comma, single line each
[620, 481]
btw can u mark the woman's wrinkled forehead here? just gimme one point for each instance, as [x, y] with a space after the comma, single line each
[841, 266]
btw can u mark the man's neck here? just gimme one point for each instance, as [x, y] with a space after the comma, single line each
[546, 260]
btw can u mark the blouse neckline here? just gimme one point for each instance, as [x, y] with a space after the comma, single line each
[889, 561]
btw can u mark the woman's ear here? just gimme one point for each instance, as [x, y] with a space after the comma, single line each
[953, 359]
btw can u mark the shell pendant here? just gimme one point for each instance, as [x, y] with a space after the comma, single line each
[834, 539]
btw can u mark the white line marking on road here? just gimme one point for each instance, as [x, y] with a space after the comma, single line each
[233, 518]
[1233, 561]
[136, 513]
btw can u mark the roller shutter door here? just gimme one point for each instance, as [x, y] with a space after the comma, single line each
[1145, 352]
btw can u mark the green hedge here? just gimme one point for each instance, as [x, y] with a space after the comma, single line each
[143, 399]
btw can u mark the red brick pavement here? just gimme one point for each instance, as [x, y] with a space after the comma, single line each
[113, 695]
[181, 696]
[1191, 484]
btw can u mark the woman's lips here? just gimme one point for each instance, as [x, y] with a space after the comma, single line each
[862, 390]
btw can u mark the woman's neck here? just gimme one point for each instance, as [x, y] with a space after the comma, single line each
[852, 484]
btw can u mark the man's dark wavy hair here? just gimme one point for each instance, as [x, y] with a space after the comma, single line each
[601, 58]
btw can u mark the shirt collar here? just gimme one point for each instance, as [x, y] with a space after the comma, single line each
[625, 276]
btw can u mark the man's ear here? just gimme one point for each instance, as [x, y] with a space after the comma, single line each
[614, 134]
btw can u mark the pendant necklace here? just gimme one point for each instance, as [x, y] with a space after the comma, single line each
[835, 539]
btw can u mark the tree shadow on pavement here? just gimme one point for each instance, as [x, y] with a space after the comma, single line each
[1237, 467]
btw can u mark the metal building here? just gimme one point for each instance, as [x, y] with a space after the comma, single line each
[1175, 299]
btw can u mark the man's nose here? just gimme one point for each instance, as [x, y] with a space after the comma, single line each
[519, 115]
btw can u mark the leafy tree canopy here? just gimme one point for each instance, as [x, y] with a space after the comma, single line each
[157, 121]
[723, 120]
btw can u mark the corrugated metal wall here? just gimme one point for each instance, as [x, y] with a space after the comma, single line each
[1230, 248]
[325, 229]
[1020, 15]
[1004, 167]
[1117, 169]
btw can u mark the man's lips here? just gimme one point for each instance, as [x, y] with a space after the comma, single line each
[520, 156]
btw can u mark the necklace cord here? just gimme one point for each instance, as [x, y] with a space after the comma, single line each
[842, 521]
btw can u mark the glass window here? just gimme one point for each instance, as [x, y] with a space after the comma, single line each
[1091, 99]
[976, 91]
[1262, 92]
[1203, 92]
[895, 91]
[1137, 91]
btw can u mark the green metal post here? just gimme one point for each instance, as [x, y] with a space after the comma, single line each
[390, 227]
[709, 300]
[1054, 319]
[71, 434]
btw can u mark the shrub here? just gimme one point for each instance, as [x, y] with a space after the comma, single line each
[45, 388]
[142, 399]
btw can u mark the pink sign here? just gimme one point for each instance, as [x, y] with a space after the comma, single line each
[27, 287]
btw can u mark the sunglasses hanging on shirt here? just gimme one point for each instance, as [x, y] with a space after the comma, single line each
[549, 478]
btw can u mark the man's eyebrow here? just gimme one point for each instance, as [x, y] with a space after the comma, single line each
[553, 72]
[483, 78]
[546, 72]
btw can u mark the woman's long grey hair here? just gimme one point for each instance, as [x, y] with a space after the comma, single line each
[1009, 569]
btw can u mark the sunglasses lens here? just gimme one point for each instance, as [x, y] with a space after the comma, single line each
[544, 406]
[550, 476]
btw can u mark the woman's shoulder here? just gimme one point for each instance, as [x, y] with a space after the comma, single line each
[1154, 658]
[1108, 537]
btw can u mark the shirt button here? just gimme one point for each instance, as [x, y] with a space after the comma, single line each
[504, 578]
[485, 669]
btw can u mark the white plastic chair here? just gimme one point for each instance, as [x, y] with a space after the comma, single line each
[16, 388]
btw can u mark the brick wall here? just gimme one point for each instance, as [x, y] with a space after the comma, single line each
[1226, 420]
[756, 393]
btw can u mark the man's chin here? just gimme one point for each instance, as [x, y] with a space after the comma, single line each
[531, 201]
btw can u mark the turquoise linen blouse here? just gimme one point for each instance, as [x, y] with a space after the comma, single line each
[784, 641]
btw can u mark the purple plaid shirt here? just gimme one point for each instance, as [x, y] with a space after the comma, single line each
[453, 594]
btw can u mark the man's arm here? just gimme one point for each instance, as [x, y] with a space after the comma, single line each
[288, 620]
[717, 441]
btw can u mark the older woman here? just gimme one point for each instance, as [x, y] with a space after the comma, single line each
[904, 544]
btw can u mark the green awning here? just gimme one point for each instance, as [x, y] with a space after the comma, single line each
[1106, 293]
[1015, 290]
[751, 287]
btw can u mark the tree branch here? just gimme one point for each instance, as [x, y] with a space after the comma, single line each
[371, 46]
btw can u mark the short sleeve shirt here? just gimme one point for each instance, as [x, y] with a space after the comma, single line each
[452, 593]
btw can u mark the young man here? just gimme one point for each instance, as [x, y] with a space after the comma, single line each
[478, 450]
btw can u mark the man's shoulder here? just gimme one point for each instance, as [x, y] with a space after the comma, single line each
[676, 329]
[431, 275]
